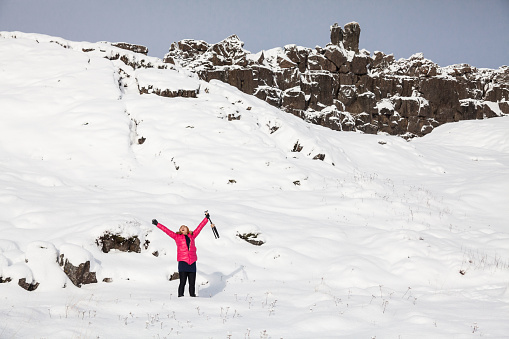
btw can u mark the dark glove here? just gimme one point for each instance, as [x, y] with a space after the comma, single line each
[154, 221]
[207, 215]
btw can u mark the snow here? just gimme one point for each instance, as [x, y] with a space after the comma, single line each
[77, 255]
[370, 244]
[163, 79]
[270, 55]
[386, 104]
[40, 258]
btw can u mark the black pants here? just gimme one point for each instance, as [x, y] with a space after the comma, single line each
[192, 280]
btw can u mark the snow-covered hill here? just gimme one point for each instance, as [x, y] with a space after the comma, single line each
[364, 235]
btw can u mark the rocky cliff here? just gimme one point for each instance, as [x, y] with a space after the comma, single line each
[344, 88]
[337, 86]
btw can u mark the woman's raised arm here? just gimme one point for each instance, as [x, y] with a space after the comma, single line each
[200, 227]
[164, 229]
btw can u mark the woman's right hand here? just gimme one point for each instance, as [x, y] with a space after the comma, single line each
[154, 221]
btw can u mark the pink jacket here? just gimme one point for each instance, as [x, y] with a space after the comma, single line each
[184, 254]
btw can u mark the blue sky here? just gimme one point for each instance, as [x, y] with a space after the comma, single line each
[447, 31]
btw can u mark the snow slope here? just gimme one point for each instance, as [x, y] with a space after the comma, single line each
[367, 243]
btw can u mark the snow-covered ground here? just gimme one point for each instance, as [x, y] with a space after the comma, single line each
[384, 238]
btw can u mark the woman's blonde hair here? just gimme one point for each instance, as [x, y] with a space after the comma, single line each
[188, 231]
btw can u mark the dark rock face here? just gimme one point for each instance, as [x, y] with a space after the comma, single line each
[109, 241]
[336, 34]
[131, 62]
[29, 287]
[131, 47]
[343, 88]
[5, 280]
[78, 275]
[251, 238]
[351, 36]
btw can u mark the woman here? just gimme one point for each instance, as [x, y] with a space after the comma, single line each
[186, 253]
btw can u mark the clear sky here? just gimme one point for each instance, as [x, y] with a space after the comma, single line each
[445, 31]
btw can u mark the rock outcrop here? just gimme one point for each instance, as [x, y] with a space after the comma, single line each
[28, 286]
[338, 86]
[81, 274]
[342, 88]
[131, 47]
[108, 242]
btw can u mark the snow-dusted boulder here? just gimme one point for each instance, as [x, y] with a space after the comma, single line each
[22, 274]
[41, 258]
[78, 264]
[13, 266]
